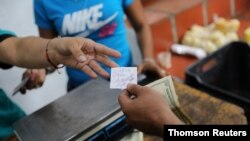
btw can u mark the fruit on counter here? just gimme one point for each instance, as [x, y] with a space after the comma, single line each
[226, 26]
[213, 36]
[208, 46]
[217, 37]
[247, 35]
[232, 36]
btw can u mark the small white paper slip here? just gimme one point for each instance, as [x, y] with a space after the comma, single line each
[122, 76]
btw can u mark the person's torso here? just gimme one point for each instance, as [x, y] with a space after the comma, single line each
[99, 20]
[9, 114]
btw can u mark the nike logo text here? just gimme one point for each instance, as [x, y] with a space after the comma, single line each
[86, 21]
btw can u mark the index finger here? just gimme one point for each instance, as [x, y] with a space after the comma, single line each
[135, 90]
[106, 51]
[124, 99]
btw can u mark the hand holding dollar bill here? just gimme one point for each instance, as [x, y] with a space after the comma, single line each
[122, 76]
[166, 87]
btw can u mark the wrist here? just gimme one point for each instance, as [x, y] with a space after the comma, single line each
[49, 70]
[171, 118]
[53, 52]
[166, 118]
[51, 55]
[149, 60]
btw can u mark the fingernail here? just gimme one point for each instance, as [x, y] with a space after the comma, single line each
[82, 58]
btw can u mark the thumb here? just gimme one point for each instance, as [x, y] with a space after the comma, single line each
[124, 99]
[139, 68]
[135, 90]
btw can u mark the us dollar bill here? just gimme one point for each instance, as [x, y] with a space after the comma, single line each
[165, 86]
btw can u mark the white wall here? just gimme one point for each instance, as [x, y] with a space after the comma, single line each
[17, 15]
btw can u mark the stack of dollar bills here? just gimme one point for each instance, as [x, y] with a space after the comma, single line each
[166, 87]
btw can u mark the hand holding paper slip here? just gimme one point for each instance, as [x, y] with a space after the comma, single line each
[122, 76]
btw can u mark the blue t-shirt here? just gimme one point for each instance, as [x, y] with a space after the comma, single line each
[99, 20]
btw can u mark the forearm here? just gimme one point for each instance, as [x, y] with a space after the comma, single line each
[26, 52]
[168, 119]
[136, 16]
[145, 40]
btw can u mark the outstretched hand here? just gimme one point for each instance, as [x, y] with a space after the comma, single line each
[83, 54]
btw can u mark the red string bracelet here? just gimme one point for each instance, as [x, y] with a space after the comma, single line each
[48, 59]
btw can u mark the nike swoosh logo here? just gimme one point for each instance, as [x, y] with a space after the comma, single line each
[97, 26]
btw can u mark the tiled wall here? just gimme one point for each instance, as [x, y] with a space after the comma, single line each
[170, 19]
[222, 8]
[180, 15]
[241, 5]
